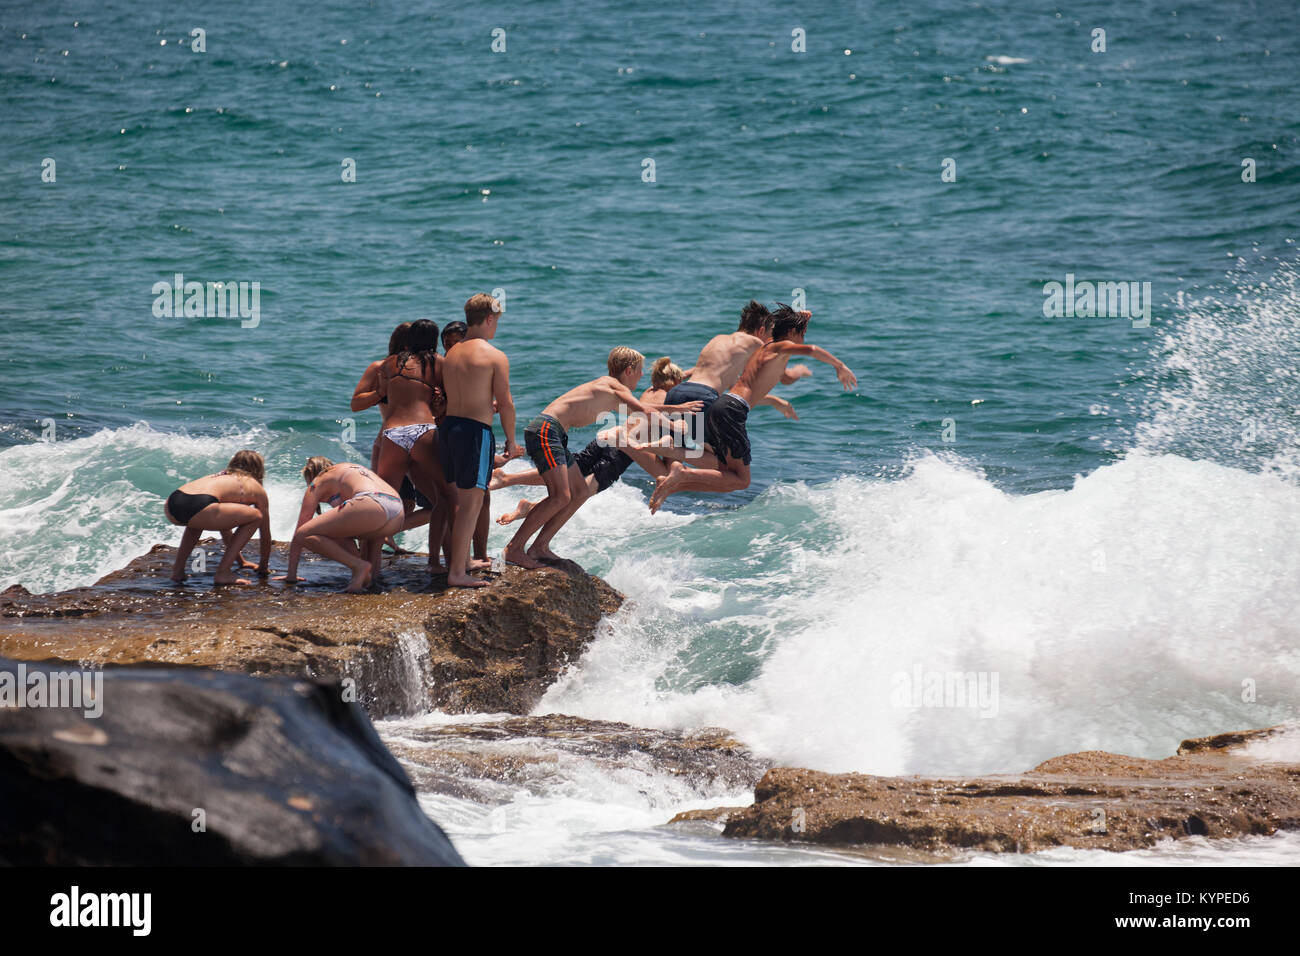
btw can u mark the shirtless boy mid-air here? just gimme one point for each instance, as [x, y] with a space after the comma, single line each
[475, 374]
[724, 423]
[721, 362]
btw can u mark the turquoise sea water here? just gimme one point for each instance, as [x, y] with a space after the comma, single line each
[1112, 526]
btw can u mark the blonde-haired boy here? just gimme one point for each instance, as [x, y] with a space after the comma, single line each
[546, 439]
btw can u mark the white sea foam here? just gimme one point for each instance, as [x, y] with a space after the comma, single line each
[1125, 613]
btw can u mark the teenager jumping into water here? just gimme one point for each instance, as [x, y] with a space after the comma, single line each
[724, 424]
[547, 441]
[232, 502]
[723, 359]
[477, 376]
[607, 456]
[364, 508]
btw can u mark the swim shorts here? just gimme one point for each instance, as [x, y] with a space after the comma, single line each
[547, 443]
[692, 392]
[606, 462]
[724, 428]
[466, 447]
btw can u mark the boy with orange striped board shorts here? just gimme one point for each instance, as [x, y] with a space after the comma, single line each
[546, 439]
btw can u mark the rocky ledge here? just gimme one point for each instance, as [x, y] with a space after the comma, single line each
[1229, 785]
[490, 761]
[414, 646]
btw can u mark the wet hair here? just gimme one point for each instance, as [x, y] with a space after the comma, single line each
[754, 318]
[787, 322]
[452, 329]
[397, 341]
[623, 358]
[480, 307]
[664, 374]
[249, 463]
[421, 343]
[316, 466]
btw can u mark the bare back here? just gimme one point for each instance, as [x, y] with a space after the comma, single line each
[409, 390]
[763, 372]
[338, 484]
[469, 375]
[586, 403]
[227, 487]
[723, 360]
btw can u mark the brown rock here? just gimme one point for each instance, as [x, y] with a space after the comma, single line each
[1092, 800]
[474, 760]
[414, 646]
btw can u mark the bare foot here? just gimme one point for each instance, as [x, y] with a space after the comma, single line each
[465, 581]
[498, 479]
[228, 578]
[360, 581]
[519, 558]
[179, 579]
[480, 564]
[435, 568]
[521, 511]
[543, 553]
[665, 486]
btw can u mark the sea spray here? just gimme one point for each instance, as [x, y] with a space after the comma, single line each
[414, 672]
[1123, 614]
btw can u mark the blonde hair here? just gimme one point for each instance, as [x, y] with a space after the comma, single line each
[623, 358]
[315, 467]
[480, 307]
[664, 374]
[249, 463]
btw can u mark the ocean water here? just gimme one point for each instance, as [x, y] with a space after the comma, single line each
[1102, 512]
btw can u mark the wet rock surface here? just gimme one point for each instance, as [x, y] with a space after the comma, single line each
[191, 767]
[412, 645]
[1228, 785]
[490, 761]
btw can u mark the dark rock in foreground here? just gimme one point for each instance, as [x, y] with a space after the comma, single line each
[1230, 785]
[416, 645]
[284, 772]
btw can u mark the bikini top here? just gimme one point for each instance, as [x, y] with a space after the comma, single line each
[410, 378]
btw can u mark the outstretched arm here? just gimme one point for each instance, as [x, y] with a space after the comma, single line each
[793, 373]
[649, 411]
[264, 533]
[846, 377]
[305, 514]
[780, 404]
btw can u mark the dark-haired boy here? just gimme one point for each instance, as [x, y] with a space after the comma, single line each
[452, 333]
[725, 422]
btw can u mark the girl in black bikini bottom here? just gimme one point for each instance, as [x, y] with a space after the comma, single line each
[184, 507]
